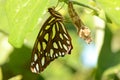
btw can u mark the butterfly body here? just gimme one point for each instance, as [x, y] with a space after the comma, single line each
[53, 41]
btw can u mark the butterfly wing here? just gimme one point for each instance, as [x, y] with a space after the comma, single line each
[52, 42]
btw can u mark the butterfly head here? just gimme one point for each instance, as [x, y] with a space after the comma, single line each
[54, 13]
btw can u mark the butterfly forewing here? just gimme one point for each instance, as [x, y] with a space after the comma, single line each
[52, 42]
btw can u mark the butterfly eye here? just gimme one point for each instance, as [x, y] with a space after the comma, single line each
[53, 41]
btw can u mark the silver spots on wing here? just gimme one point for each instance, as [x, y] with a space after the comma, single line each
[56, 54]
[37, 67]
[43, 61]
[68, 42]
[63, 53]
[65, 36]
[32, 63]
[33, 70]
[35, 57]
[51, 52]
[65, 47]
[60, 54]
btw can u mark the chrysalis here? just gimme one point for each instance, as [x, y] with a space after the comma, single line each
[83, 31]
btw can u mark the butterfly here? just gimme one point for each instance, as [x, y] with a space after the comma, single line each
[53, 41]
[83, 31]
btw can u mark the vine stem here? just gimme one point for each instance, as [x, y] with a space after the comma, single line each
[81, 4]
[84, 5]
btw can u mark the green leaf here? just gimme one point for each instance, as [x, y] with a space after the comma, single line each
[110, 58]
[1, 77]
[3, 18]
[111, 73]
[112, 9]
[23, 16]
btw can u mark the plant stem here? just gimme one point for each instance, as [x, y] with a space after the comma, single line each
[84, 5]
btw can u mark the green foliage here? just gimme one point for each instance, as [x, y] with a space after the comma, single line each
[20, 20]
[23, 17]
[111, 59]
[112, 9]
[1, 74]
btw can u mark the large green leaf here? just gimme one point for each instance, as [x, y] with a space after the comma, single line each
[107, 58]
[112, 9]
[23, 16]
[3, 18]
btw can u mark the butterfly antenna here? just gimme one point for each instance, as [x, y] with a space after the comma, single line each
[57, 4]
